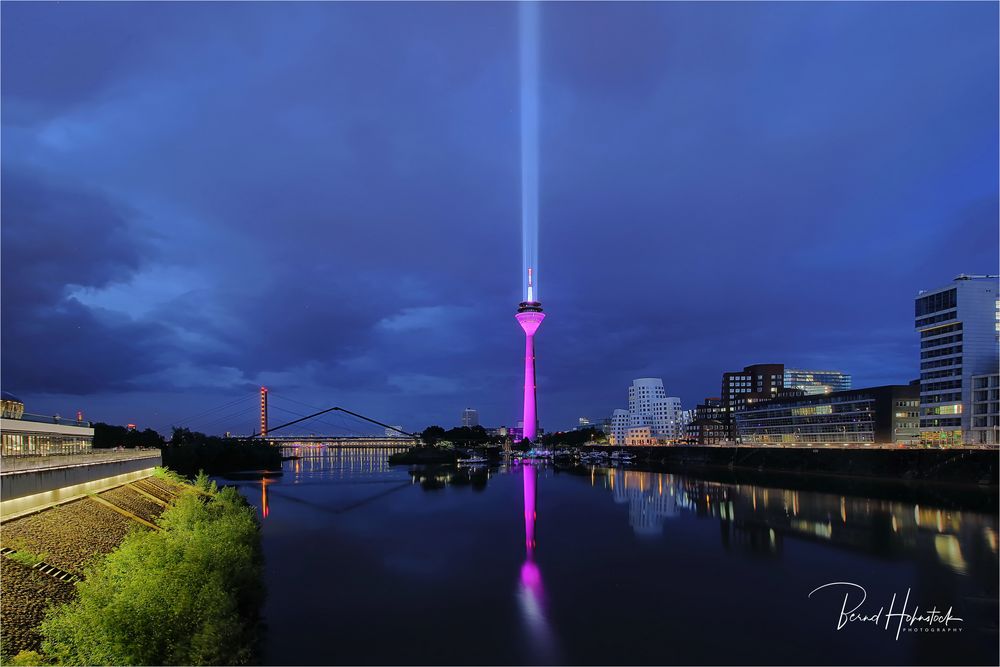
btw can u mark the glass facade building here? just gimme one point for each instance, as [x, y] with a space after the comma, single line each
[23, 434]
[874, 416]
[816, 382]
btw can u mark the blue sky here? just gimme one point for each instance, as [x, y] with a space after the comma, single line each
[325, 198]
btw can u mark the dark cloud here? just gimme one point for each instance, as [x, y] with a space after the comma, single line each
[55, 238]
[202, 197]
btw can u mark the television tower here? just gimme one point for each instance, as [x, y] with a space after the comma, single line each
[530, 316]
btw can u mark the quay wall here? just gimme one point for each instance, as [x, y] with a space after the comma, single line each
[953, 466]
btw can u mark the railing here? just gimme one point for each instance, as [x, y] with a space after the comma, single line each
[21, 463]
[47, 419]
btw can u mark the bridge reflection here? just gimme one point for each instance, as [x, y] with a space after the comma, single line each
[338, 462]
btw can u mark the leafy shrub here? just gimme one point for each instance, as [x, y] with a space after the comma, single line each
[189, 594]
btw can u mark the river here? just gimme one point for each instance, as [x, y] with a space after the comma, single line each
[368, 563]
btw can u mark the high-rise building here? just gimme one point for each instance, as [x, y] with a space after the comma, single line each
[759, 382]
[470, 417]
[959, 327]
[816, 382]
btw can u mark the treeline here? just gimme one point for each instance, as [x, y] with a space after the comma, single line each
[107, 436]
[188, 452]
[461, 435]
[189, 594]
[574, 438]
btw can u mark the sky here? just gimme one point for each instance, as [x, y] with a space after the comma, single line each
[198, 199]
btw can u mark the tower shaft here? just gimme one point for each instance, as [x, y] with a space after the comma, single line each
[530, 316]
[530, 390]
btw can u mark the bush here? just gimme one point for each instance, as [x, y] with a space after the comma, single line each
[189, 594]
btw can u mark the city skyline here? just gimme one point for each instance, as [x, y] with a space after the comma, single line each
[323, 202]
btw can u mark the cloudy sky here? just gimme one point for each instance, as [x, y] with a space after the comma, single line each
[325, 198]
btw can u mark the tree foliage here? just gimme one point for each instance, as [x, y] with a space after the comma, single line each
[575, 438]
[189, 452]
[460, 435]
[109, 435]
[188, 594]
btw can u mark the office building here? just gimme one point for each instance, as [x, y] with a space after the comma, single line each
[759, 382]
[470, 417]
[986, 409]
[816, 382]
[874, 416]
[24, 434]
[958, 326]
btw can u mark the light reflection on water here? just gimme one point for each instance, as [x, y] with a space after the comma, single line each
[615, 565]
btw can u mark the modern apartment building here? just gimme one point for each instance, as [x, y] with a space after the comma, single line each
[816, 382]
[858, 417]
[959, 328]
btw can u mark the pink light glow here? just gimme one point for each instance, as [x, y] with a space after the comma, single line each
[529, 509]
[530, 321]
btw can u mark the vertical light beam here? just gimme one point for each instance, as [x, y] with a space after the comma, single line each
[528, 24]
[529, 313]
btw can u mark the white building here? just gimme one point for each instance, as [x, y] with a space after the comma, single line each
[959, 327]
[619, 427]
[650, 408]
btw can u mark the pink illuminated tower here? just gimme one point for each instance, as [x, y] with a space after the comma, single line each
[530, 316]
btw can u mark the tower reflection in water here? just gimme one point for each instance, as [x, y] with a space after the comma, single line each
[531, 594]
[264, 507]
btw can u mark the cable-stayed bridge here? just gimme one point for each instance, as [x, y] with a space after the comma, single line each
[301, 423]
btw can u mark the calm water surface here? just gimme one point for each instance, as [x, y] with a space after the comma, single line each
[374, 564]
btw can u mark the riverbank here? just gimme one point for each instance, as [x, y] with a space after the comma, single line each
[139, 574]
[64, 538]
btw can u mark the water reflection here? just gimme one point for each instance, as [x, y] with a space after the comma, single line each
[531, 594]
[757, 519]
[265, 508]
[337, 462]
[431, 478]
[421, 554]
